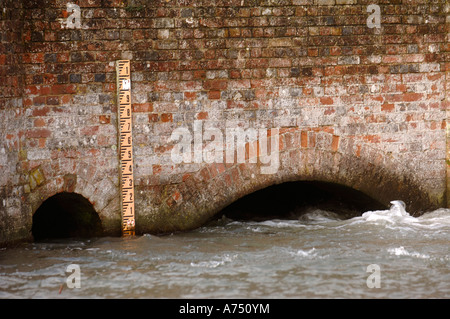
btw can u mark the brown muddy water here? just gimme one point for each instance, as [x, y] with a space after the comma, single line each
[381, 254]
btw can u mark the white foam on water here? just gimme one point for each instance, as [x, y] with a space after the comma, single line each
[435, 219]
[305, 253]
[401, 251]
[398, 216]
[261, 227]
[319, 216]
[277, 223]
[397, 213]
[215, 263]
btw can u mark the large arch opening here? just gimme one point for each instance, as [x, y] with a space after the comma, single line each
[66, 215]
[291, 200]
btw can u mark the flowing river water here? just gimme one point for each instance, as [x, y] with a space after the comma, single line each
[381, 254]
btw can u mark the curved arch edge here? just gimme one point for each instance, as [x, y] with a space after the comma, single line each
[203, 194]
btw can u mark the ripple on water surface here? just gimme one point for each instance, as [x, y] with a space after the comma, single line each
[318, 255]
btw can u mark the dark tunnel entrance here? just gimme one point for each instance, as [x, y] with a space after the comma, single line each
[291, 200]
[66, 215]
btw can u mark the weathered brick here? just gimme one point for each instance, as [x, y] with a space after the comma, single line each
[38, 133]
[101, 77]
[104, 119]
[53, 100]
[325, 2]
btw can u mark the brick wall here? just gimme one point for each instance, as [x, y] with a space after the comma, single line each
[365, 107]
[13, 221]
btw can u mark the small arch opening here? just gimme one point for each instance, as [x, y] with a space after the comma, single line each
[291, 200]
[66, 215]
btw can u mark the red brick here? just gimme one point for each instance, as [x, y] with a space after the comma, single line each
[235, 175]
[38, 133]
[199, 74]
[372, 138]
[43, 111]
[42, 142]
[176, 196]
[235, 74]
[329, 110]
[220, 167]
[32, 89]
[39, 100]
[335, 143]
[157, 169]
[326, 100]
[204, 173]
[216, 85]
[63, 57]
[304, 139]
[90, 130]
[58, 89]
[358, 151]
[334, 70]
[280, 63]
[228, 180]
[37, 57]
[190, 96]
[27, 102]
[66, 99]
[386, 107]
[202, 115]
[167, 117]
[312, 140]
[45, 89]
[53, 100]
[214, 95]
[104, 119]
[313, 52]
[39, 122]
[410, 97]
[153, 117]
[26, 58]
[143, 107]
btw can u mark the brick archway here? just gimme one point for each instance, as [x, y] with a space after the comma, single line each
[66, 215]
[103, 196]
[313, 155]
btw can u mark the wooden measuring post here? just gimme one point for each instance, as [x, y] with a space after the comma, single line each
[123, 72]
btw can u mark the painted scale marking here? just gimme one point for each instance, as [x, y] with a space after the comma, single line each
[125, 147]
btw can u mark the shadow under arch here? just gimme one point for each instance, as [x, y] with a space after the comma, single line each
[202, 195]
[291, 200]
[66, 215]
[383, 181]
